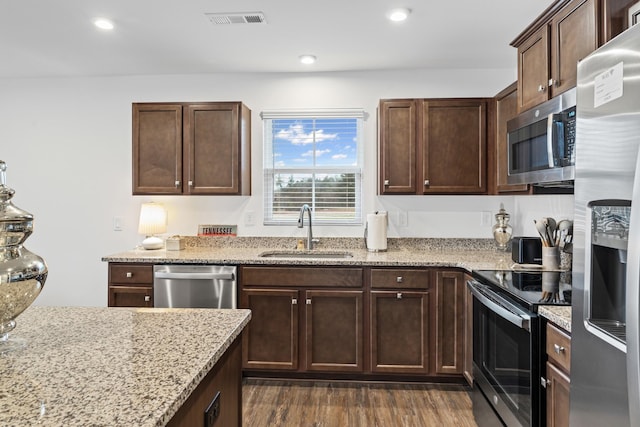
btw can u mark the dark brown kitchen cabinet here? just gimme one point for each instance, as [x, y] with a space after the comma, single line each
[433, 146]
[550, 48]
[334, 330]
[399, 321]
[450, 322]
[505, 108]
[557, 383]
[303, 319]
[130, 285]
[615, 17]
[270, 341]
[191, 148]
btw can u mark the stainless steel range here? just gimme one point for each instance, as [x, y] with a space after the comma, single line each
[507, 343]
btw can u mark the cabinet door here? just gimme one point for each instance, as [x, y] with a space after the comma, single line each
[157, 149]
[212, 149]
[557, 397]
[533, 69]
[270, 341]
[334, 330]
[506, 109]
[398, 142]
[450, 315]
[574, 35]
[455, 146]
[399, 332]
[130, 296]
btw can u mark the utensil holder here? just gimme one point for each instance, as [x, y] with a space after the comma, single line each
[551, 257]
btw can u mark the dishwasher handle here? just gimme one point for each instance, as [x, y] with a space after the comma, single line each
[196, 276]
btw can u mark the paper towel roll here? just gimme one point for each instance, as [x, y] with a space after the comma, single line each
[377, 231]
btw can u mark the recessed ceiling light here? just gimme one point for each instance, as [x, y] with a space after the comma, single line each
[103, 24]
[307, 59]
[399, 15]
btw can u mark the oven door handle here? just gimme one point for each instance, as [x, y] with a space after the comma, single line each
[520, 320]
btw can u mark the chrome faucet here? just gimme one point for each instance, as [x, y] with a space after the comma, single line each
[310, 239]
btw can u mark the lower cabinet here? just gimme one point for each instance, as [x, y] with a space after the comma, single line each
[302, 329]
[360, 322]
[450, 322]
[399, 321]
[130, 285]
[557, 380]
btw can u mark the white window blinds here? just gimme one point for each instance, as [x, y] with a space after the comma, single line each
[313, 157]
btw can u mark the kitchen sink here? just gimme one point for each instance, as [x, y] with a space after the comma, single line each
[306, 254]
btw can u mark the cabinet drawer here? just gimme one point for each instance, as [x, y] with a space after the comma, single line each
[302, 277]
[559, 347]
[411, 279]
[131, 274]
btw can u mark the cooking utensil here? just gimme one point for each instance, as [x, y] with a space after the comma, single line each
[542, 231]
[550, 223]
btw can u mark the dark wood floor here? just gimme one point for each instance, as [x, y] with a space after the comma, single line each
[323, 404]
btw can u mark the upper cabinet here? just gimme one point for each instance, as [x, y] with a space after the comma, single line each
[192, 148]
[549, 50]
[433, 146]
[565, 33]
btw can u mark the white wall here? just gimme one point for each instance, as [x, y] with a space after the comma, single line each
[67, 143]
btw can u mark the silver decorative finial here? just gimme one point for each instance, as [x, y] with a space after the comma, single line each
[3, 173]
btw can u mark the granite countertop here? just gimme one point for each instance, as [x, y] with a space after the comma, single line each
[560, 315]
[110, 366]
[470, 254]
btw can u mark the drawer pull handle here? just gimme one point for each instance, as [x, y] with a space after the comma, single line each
[147, 298]
[399, 295]
[558, 348]
[129, 275]
[308, 301]
[294, 301]
[399, 279]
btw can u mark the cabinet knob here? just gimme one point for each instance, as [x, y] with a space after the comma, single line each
[147, 298]
[386, 182]
[399, 295]
[553, 82]
[177, 183]
[399, 279]
[544, 382]
[129, 275]
[426, 182]
[308, 301]
[558, 348]
[190, 183]
[294, 301]
[541, 88]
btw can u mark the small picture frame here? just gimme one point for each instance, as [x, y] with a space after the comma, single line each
[634, 15]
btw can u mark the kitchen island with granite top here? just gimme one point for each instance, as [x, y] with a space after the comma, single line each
[95, 366]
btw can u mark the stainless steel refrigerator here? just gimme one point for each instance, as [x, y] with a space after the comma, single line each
[604, 328]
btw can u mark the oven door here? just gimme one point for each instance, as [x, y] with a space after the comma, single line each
[505, 360]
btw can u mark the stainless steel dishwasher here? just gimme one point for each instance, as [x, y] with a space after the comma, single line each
[195, 286]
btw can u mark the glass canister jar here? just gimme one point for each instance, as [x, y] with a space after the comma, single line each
[502, 231]
[22, 273]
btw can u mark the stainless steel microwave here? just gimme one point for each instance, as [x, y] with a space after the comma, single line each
[541, 143]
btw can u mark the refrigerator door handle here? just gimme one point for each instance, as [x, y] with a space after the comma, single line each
[633, 303]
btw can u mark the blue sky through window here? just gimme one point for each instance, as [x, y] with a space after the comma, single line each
[306, 143]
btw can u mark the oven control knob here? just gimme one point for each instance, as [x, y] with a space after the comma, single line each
[495, 399]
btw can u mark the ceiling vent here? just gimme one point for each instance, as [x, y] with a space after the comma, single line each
[236, 18]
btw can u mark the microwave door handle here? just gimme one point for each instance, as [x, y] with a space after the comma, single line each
[516, 319]
[550, 125]
[632, 302]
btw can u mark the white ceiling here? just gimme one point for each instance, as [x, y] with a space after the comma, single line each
[41, 38]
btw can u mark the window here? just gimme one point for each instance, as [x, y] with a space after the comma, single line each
[313, 157]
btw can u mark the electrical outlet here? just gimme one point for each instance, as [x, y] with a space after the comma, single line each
[249, 218]
[212, 412]
[403, 219]
[485, 219]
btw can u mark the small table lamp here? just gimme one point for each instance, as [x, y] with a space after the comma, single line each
[153, 220]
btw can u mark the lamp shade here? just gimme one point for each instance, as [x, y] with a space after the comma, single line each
[153, 219]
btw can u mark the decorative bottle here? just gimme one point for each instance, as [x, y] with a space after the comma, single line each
[502, 231]
[22, 273]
